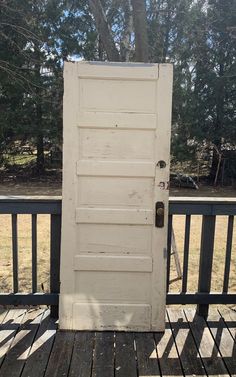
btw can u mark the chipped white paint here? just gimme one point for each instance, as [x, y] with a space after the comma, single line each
[116, 129]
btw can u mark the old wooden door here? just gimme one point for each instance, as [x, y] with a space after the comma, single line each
[116, 132]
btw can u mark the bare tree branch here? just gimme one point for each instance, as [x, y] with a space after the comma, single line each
[140, 28]
[125, 48]
[104, 30]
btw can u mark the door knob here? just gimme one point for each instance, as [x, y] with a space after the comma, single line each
[160, 214]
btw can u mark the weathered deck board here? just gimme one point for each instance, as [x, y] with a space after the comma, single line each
[187, 350]
[20, 347]
[40, 351]
[207, 348]
[31, 346]
[167, 353]
[125, 361]
[59, 361]
[103, 359]
[229, 317]
[146, 355]
[224, 342]
[82, 357]
[9, 326]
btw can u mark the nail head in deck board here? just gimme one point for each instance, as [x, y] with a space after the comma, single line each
[223, 340]
[167, 353]
[146, 355]
[59, 361]
[40, 351]
[205, 343]
[82, 356]
[19, 350]
[103, 359]
[125, 362]
[187, 350]
[11, 322]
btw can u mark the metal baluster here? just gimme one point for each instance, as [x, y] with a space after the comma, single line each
[186, 253]
[34, 253]
[228, 252]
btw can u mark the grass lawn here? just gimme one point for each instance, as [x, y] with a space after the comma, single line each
[19, 159]
[24, 246]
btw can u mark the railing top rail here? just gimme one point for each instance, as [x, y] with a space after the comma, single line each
[204, 199]
[30, 205]
[29, 198]
[177, 205]
[172, 199]
[202, 206]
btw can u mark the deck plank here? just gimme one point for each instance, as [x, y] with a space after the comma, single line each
[229, 317]
[20, 347]
[31, 346]
[40, 351]
[125, 358]
[82, 356]
[212, 361]
[187, 350]
[103, 360]
[223, 340]
[59, 361]
[146, 355]
[3, 314]
[167, 353]
[9, 326]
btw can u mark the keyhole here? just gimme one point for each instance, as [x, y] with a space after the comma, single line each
[161, 164]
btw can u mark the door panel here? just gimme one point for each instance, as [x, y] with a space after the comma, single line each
[116, 129]
[110, 144]
[114, 239]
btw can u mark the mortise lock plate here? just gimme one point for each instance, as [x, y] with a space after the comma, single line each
[159, 218]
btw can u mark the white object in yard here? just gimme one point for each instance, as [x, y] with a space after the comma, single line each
[116, 129]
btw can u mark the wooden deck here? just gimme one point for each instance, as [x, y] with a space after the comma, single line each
[30, 345]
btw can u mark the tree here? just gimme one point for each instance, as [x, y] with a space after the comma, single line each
[198, 37]
[140, 29]
[35, 39]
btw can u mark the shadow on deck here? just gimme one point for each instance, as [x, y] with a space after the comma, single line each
[31, 345]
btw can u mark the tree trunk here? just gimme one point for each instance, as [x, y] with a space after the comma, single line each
[39, 117]
[39, 141]
[40, 154]
[125, 48]
[220, 93]
[104, 30]
[140, 29]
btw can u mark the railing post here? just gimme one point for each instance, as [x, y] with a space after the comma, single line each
[55, 256]
[206, 258]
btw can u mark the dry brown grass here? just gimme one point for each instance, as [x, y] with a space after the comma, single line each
[24, 249]
[194, 253]
[24, 245]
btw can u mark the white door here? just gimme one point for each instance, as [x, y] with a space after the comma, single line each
[116, 130]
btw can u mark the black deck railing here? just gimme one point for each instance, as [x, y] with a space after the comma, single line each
[209, 209]
[16, 206]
